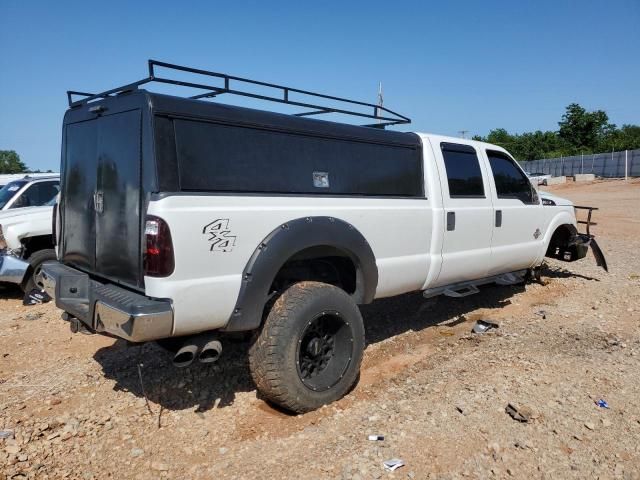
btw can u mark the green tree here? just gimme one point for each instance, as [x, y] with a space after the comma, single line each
[584, 130]
[10, 162]
[580, 132]
[499, 136]
[625, 138]
[525, 146]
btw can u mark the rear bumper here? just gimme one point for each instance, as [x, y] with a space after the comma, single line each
[107, 308]
[12, 269]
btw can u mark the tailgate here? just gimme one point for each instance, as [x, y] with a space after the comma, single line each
[100, 201]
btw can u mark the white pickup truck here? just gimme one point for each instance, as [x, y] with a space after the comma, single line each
[25, 243]
[184, 219]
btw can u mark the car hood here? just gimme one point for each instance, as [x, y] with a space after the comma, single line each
[558, 200]
[24, 214]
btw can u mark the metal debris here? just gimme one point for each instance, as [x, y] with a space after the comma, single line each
[482, 326]
[36, 297]
[393, 464]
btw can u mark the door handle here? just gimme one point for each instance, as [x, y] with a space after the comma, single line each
[451, 221]
[98, 201]
[498, 218]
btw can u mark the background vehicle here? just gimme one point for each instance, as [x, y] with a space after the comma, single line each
[9, 177]
[25, 243]
[29, 191]
[183, 219]
[539, 178]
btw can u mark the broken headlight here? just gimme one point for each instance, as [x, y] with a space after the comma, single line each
[3, 243]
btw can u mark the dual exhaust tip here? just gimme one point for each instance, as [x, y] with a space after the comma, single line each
[191, 350]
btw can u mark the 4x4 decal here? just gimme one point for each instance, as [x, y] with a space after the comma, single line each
[220, 235]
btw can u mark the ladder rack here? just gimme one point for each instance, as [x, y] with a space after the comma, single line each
[234, 86]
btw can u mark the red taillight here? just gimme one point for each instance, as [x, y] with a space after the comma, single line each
[158, 255]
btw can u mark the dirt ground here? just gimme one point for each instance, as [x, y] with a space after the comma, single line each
[76, 408]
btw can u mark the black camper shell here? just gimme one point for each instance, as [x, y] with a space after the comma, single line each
[121, 151]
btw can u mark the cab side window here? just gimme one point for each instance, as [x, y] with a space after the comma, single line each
[37, 194]
[48, 190]
[463, 171]
[510, 181]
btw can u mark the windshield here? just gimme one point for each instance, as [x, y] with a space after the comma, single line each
[9, 190]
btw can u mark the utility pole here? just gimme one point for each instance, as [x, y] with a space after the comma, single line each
[626, 164]
[463, 133]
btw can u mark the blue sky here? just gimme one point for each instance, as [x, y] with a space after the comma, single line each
[450, 66]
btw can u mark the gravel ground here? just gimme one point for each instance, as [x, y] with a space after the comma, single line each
[74, 405]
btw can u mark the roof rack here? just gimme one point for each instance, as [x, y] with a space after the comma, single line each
[382, 115]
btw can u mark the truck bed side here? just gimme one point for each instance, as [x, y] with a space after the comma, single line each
[398, 231]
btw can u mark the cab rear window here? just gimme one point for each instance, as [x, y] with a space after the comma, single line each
[463, 171]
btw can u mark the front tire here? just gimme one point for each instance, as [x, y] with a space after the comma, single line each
[35, 263]
[309, 350]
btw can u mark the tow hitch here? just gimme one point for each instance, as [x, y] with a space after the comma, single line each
[76, 325]
[583, 241]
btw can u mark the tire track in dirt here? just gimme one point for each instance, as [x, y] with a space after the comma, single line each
[386, 360]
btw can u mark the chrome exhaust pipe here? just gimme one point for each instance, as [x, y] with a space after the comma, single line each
[210, 352]
[185, 355]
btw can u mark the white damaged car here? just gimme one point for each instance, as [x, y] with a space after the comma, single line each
[25, 243]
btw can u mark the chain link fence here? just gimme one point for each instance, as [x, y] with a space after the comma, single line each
[612, 165]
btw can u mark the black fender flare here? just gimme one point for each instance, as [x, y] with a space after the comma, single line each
[283, 243]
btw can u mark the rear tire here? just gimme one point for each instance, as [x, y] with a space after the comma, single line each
[309, 350]
[35, 262]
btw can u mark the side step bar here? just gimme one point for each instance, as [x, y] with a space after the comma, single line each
[464, 289]
[461, 292]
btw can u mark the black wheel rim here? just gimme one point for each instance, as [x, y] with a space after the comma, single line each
[324, 351]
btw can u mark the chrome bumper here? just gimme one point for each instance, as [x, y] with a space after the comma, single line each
[12, 269]
[107, 308]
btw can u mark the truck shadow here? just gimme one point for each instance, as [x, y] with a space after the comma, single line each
[557, 272]
[393, 316]
[205, 387]
[10, 291]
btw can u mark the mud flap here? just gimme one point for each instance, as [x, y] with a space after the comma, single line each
[597, 253]
[581, 243]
